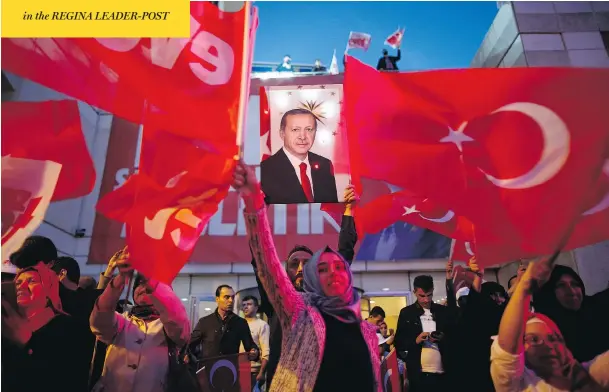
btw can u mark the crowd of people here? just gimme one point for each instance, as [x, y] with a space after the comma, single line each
[61, 332]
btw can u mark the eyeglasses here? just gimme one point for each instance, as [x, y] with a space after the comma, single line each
[535, 340]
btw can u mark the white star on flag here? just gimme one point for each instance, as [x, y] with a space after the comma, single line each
[410, 210]
[456, 137]
[264, 148]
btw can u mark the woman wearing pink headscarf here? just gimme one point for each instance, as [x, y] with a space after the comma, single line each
[530, 353]
[42, 347]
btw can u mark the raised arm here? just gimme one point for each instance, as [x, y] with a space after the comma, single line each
[282, 295]
[171, 312]
[265, 303]
[451, 296]
[105, 322]
[347, 237]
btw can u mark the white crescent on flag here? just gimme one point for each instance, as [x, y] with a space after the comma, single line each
[27, 189]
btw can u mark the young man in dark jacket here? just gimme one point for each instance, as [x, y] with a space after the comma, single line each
[423, 339]
[222, 332]
[389, 63]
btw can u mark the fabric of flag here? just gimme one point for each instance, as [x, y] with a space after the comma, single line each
[395, 39]
[131, 76]
[390, 375]
[334, 65]
[359, 40]
[407, 207]
[167, 204]
[493, 145]
[50, 131]
[265, 125]
[230, 373]
[27, 189]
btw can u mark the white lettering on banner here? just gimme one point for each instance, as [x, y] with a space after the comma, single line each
[216, 227]
[164, 52]
[280, 211]
[302, 219]
[241, 230]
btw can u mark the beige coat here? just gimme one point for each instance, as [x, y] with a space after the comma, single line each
[137, 357]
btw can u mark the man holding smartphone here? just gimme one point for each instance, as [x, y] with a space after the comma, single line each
[422, 333]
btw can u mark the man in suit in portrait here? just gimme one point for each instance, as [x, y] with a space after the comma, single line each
[294, 174]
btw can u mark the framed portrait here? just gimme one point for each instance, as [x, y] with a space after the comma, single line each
[304, 154]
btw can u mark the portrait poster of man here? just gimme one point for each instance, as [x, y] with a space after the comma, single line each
[299, 163]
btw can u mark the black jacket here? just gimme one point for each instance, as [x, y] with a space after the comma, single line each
[213, 337]
[382, 64]
[346, 244]
[409, 327]
[281, 186]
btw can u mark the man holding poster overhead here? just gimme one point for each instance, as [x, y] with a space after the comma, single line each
[294, 174]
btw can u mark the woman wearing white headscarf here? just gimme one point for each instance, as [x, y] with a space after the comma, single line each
[326, 344]
[532, 356]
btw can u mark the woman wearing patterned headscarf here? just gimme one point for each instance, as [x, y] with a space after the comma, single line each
[564, 300]
[43, 348]
[530, 353]
[326, 344]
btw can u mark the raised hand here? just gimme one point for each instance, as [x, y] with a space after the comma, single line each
[449, 269]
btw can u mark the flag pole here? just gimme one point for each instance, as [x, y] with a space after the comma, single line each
[245, 83]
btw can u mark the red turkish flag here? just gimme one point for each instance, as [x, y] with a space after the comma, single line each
[228, 373]
[592, 225]
[390, 374]
[50, 131]
[167, 204]
[265, 125]
[27, 188]
[395, 39]
[176, 76]
[359, 40]
[407, 207]
[462, 250]
[494, 145]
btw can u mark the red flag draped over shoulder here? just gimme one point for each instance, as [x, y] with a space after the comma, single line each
[177, 76]
[509, 149]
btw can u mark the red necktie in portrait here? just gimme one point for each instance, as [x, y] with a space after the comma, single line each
[306, 183]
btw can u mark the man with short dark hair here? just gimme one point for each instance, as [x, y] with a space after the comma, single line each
[260, 334]
[222, 332]
[422, 339]
[87, 283]
[389, 63]
[294, 174]
[376, 316]
[68, 272]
